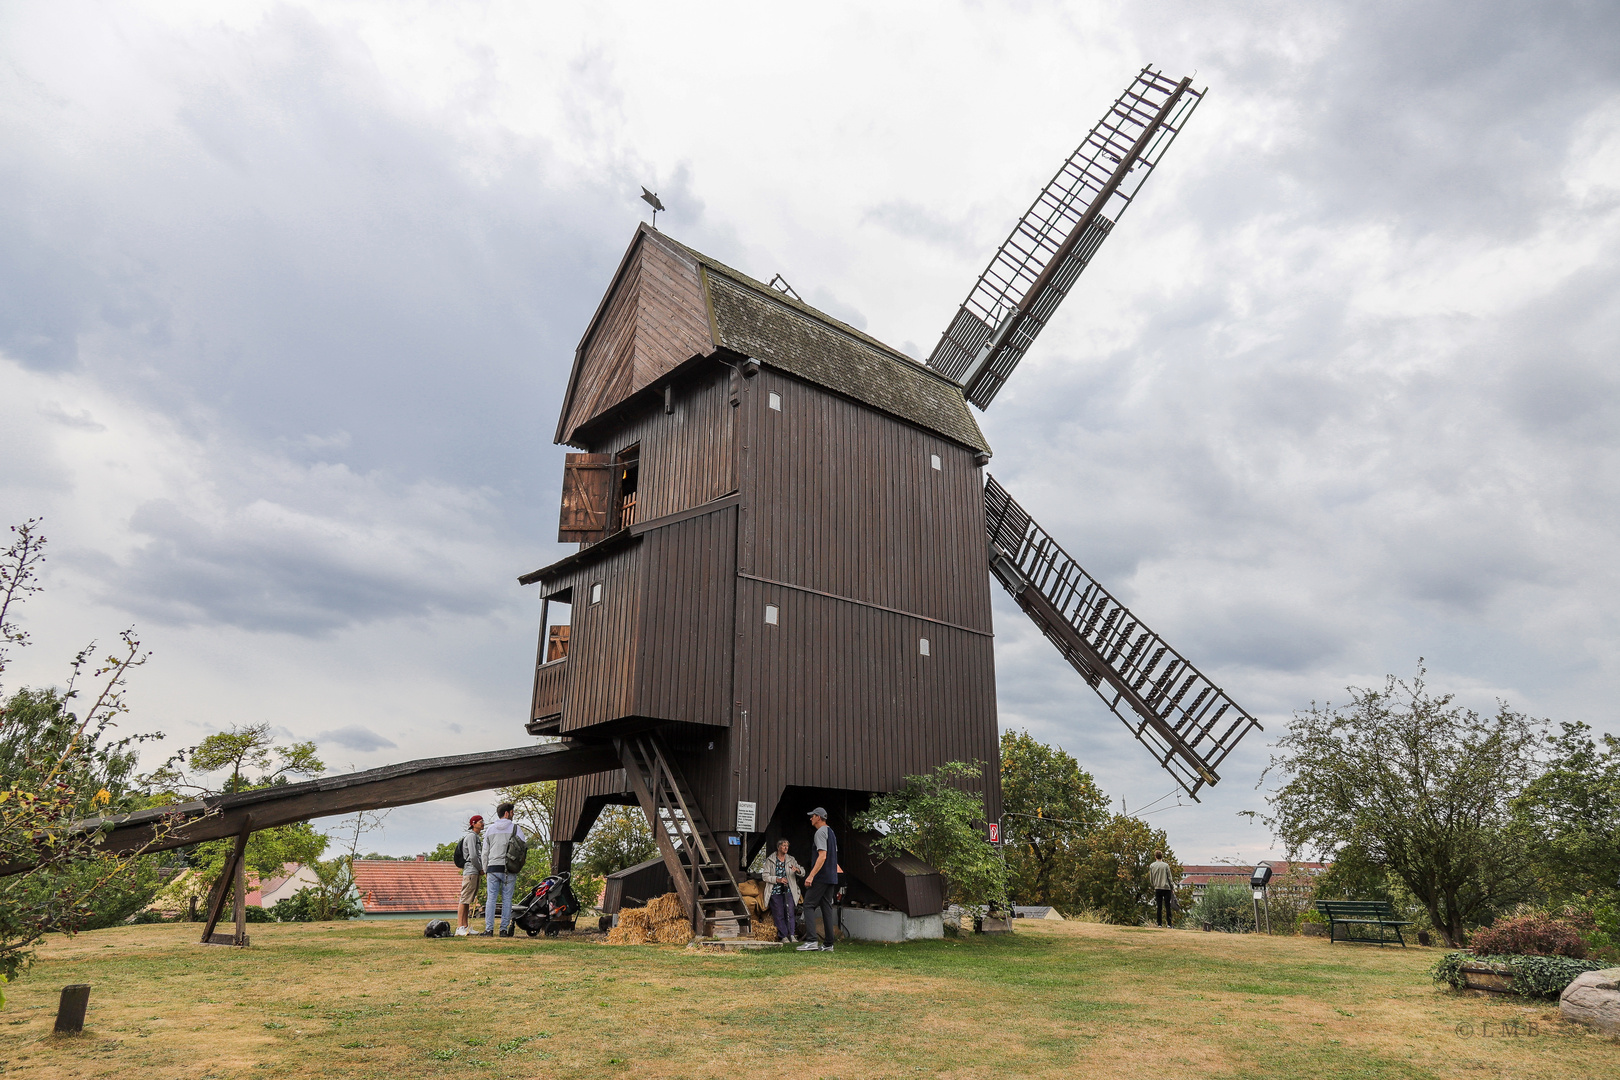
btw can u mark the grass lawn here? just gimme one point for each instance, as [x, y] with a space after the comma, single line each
[376, 999]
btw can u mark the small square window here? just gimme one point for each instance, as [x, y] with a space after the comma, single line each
[922, 646]
[770, 614]
[933, 459]
[596, 593]
[776, 401]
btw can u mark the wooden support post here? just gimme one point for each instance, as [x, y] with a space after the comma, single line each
[70, 1011]
[235, 867]
[241, 938]
[562, 856]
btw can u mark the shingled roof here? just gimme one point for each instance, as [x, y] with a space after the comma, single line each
[747, 317]
[390, 887]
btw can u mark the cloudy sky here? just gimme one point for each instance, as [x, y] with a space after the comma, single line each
[288, 295]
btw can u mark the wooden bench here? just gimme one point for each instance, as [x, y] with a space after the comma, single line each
[1352, 913]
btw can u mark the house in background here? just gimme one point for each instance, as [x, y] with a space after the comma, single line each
[294, 878]
[1201, 876]
[1037, 911]
[407, 889]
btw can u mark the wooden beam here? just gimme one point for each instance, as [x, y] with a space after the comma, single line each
[425, 780]
[234, 868]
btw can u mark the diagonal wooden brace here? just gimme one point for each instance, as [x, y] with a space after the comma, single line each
[235, 868]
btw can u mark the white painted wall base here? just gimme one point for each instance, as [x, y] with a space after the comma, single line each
[864, 924]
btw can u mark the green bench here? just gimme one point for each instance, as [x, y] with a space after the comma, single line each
[1349, 914]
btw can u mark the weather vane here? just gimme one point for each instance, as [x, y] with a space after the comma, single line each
[651, 199]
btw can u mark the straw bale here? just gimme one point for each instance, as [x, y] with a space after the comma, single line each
[665, 909]
[763, 930]
[673, 933]
[633, 917]
[627, 935]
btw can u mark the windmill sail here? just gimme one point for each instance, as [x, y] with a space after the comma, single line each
[1187, 721]
[1055, 239]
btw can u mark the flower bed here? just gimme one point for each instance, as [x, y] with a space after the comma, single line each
[1528, 976]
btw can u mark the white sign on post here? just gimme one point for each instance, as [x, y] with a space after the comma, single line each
[745, 817]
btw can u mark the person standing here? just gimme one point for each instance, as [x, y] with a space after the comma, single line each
[472, 868]
[500, 884]
[782, 872]
[1159, 879]
[821, 886]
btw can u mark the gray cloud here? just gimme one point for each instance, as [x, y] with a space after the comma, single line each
[356, 737]
[1339, 392]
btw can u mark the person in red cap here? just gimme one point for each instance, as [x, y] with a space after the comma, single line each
[469, 853]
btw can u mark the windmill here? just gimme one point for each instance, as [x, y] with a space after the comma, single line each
[780, 598]
[1188, 723]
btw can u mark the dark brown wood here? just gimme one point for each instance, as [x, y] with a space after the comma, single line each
[586, 492]
[394, 785]
[233, 870]
[71, 1007]
[652, 319]
[760, 489]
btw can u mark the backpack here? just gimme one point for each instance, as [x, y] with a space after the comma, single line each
[461, 853]
[517, 851]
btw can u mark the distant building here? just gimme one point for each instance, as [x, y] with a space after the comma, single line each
[416, 889]
[294, 878]
[1199, 876]
[1033, 911]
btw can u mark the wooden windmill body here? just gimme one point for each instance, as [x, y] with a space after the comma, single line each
[781, 599]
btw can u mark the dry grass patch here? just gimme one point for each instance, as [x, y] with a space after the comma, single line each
[376, 999]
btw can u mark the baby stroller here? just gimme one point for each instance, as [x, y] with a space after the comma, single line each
[550, 908]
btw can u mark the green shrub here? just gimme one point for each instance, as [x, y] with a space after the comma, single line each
[1533, 976]
[1226, 906]
[1534, 934]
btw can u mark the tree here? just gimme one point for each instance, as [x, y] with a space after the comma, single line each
[1110, 875]
[621, 837]
[251, 758]
[939, 823]
[1417, 786]
[57, 767]
[1570, 815]
[1050, 805]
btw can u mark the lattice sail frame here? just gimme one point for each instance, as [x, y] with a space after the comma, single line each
[1052, 243]
[1124, 661]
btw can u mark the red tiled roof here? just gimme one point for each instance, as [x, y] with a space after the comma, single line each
[1203, 874]
[388, 886]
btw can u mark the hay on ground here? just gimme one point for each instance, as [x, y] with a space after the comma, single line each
[673, 933]
[665, 909]
[763, 930]
[633, 917]
[627, 935]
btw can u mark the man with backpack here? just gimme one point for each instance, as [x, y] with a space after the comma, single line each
[505, 852]
[469, 856]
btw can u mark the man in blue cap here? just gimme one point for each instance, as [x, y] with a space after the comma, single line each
[821, 886]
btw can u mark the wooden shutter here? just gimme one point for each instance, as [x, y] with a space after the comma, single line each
[557, 646]
[587, 484]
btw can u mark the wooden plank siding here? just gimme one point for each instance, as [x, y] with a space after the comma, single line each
[602, 649]
[654, 318]
[688, 455]
[844, 499]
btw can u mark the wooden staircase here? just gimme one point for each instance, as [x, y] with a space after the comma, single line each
[704, 880]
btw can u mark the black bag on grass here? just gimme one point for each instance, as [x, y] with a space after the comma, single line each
[437, 928]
